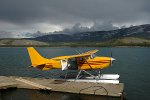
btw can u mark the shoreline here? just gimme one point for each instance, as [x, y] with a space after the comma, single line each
[122, 46]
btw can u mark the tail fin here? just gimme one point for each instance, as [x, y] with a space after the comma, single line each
[36, 58]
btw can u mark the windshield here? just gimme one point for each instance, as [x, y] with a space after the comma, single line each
[93, 56]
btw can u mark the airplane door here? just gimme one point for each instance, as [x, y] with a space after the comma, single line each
[64, 64]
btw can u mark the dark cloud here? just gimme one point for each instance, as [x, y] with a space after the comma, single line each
[64, 13]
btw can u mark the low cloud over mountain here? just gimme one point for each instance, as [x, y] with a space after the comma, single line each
[4, 34]
[77, 28]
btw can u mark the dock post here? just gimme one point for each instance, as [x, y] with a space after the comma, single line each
[122, 96]
[0, 96]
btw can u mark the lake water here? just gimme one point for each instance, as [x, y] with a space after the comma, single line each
[132, 64]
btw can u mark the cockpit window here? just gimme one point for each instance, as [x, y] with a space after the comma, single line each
[92, 56]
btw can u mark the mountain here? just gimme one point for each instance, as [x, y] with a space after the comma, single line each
[132, 36]
[140, 31]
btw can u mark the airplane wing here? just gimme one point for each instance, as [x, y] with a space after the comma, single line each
[86, 54]
[91, 51]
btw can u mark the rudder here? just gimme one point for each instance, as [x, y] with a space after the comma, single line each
[35, 57]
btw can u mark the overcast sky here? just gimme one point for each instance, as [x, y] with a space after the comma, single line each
[21, 16]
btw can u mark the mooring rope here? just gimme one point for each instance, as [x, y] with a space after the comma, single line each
[94, 90]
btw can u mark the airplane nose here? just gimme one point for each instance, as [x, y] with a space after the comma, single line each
[112, 59]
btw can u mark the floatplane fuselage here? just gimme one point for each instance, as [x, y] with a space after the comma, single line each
[82, 62]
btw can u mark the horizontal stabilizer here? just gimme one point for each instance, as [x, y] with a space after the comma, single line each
[36, 59]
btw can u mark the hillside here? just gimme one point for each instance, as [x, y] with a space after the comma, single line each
[20, 42]
[128, 41]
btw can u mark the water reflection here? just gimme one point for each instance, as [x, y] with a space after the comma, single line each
[27, 94]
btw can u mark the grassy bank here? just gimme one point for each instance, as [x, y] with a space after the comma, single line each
[83, 44]
[128, 41]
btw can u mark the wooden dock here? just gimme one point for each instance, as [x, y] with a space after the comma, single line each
[102, 89]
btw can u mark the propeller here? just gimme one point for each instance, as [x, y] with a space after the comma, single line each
[111, 57]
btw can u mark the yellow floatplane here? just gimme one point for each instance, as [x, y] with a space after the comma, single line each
[81, 62]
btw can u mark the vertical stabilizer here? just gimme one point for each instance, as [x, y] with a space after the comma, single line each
[36, 58]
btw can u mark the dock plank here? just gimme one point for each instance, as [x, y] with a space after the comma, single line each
[8, 85]
[106, 89]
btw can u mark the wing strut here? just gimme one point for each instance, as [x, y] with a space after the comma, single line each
[85, 72]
